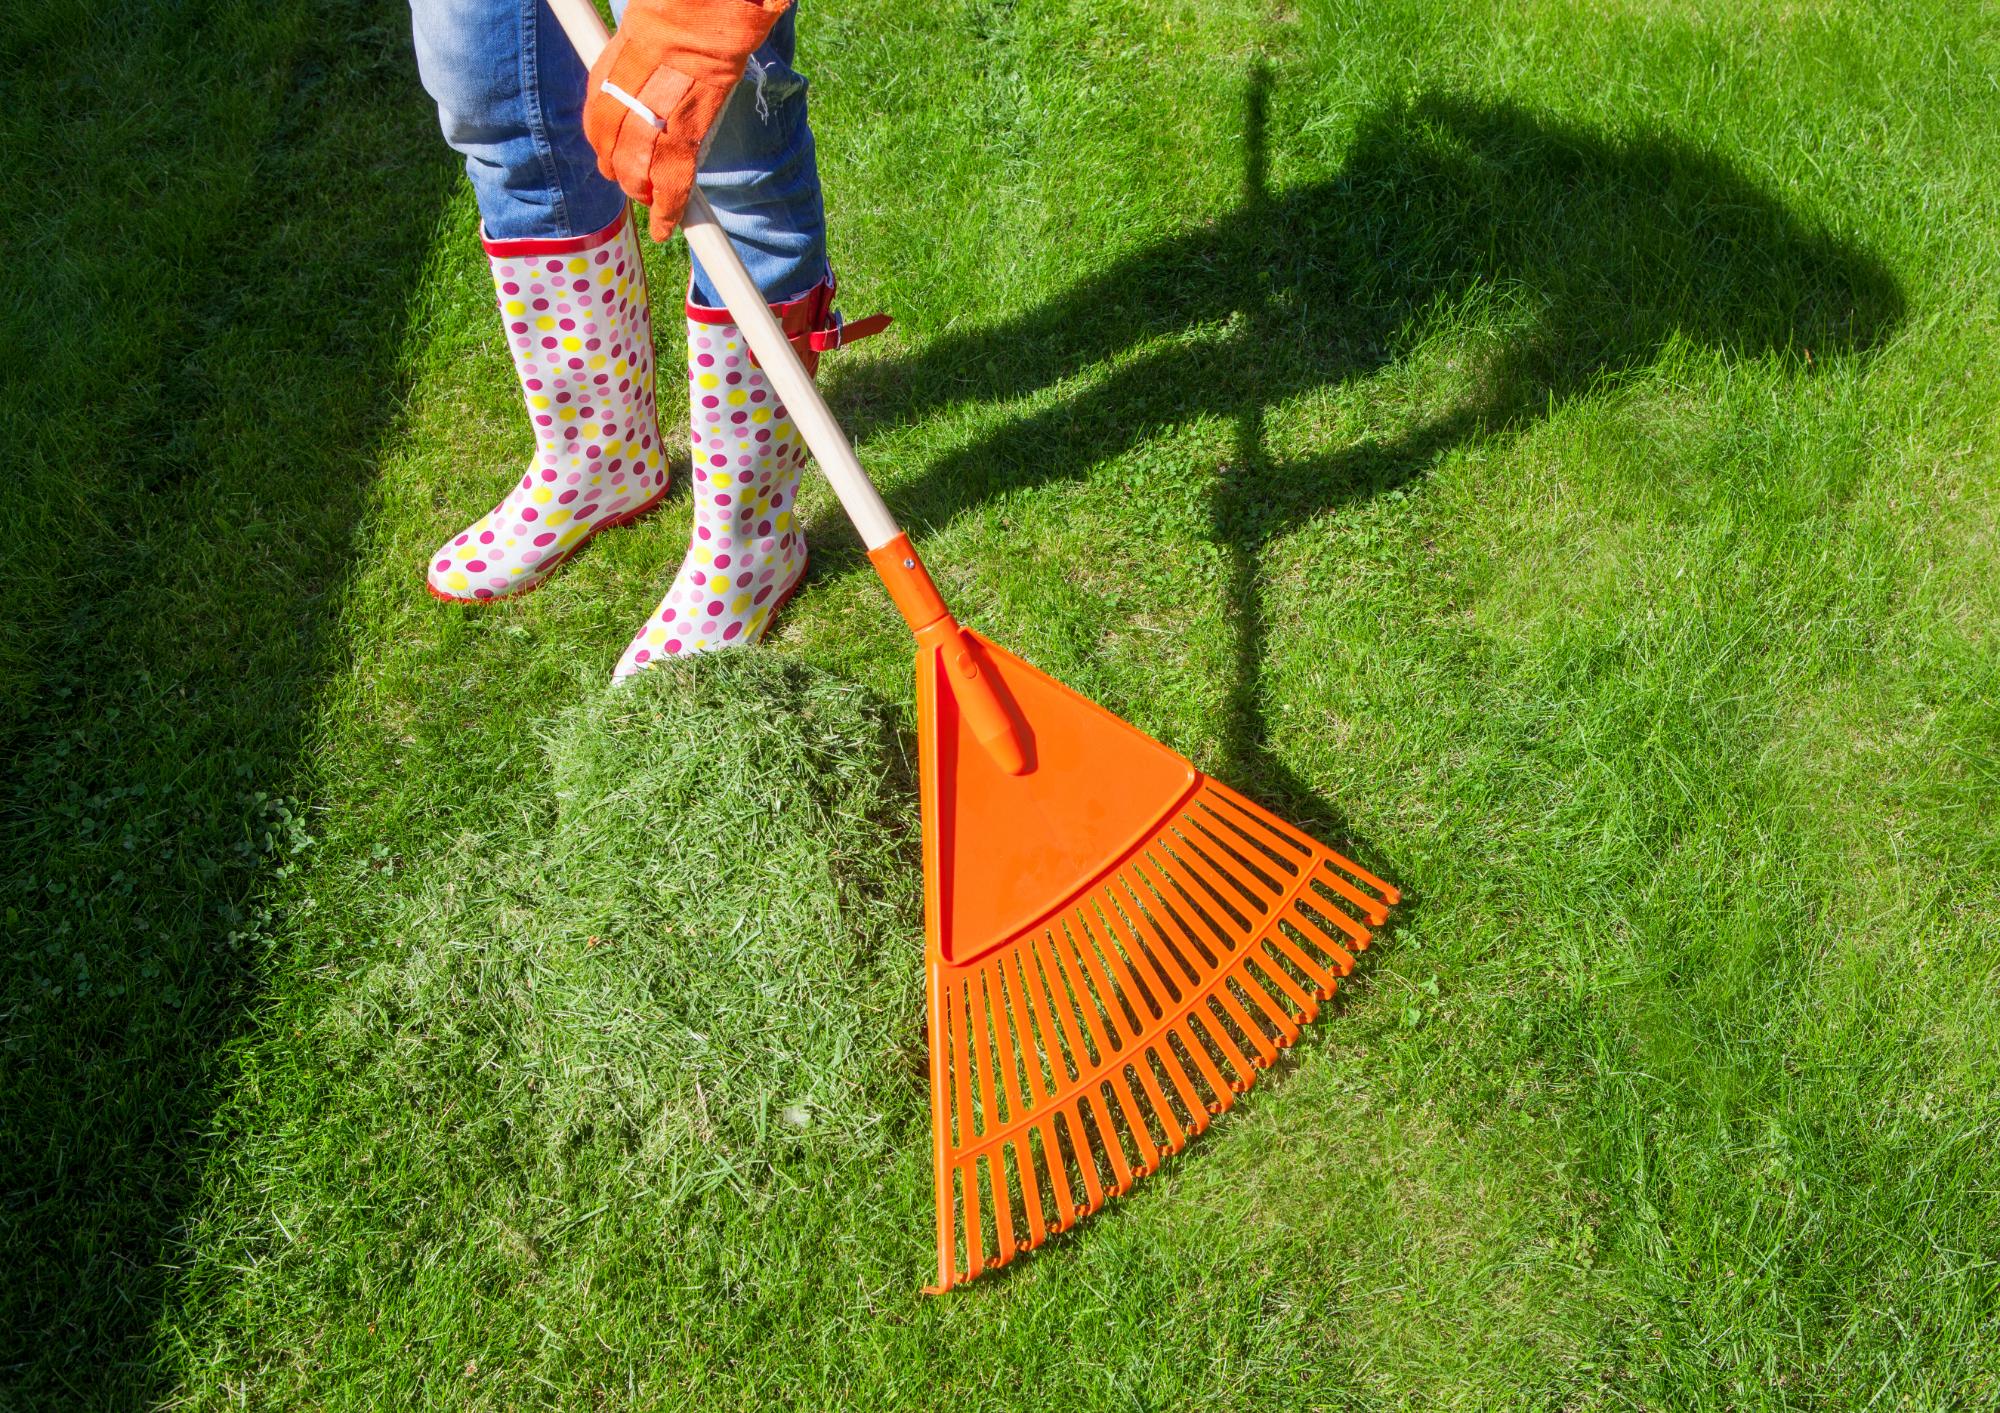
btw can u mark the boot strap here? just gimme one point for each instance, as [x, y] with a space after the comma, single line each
[843, 331]
[810, 322]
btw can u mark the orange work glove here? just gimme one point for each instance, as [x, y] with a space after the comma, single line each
[658, 88]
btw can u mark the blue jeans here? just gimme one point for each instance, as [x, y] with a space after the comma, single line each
[509, 90]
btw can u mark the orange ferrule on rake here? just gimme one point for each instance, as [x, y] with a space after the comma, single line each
[910, 588]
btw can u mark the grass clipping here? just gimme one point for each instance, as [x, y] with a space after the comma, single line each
[684, 979]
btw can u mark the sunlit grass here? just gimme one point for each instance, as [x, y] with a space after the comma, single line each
[1547, 448]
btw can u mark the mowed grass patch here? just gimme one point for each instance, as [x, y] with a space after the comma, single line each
[622, 1092]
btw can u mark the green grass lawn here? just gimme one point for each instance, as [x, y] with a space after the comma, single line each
[1547, 449]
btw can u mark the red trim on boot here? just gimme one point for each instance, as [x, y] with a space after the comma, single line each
[560, 245]
[810, 321]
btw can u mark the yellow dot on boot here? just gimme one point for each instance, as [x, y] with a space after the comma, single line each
[708, 380]
[572, 344]
[539, 402]
[739, 603]
[555, 518]
[762, 414]
[543, 495]
[457, 580]
[578, 266]
[545, 323]
[514, 306]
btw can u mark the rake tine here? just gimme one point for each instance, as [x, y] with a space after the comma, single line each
[1307, 921]
[1216, 949]
[1257, 824]
[1210, 1018]
[1086, 1157]
[1196, 847]
[1372, 908]
[1074, 995]
[987, 1086]
[1116, 936]
[1009, 1042]
[1213, 917]
[1066, 1206]
[975, 1238]
[1031, 1189]
[1103, 1109]
[1266, 1052]
[1003, 1206]
[1324, 980]
[1054, 991]
[1265, 1004]
[1204, 1064]
[1091, 973]
[961, 1059]
[1143, 1063]
[1183, 1086]
[1135, 1122]
[1308, 1005]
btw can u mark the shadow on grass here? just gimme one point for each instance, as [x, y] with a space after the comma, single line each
[1583, 255]
[218, 224]
[1571, 257]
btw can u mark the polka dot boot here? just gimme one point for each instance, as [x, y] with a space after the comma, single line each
[582, 338]
[747, 555]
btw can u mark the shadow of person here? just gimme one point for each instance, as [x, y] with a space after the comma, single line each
[204, 369]
[1587, 252]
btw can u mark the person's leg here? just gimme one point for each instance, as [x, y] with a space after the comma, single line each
[509, 89]
[761, 175]
[570, 285]
[747, 554]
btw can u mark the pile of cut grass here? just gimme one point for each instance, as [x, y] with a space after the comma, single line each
[655, 1019]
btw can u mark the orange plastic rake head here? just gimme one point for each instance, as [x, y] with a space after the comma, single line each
[1115, 945]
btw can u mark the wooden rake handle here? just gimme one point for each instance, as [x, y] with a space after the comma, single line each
[775, 354]
[889, 549]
